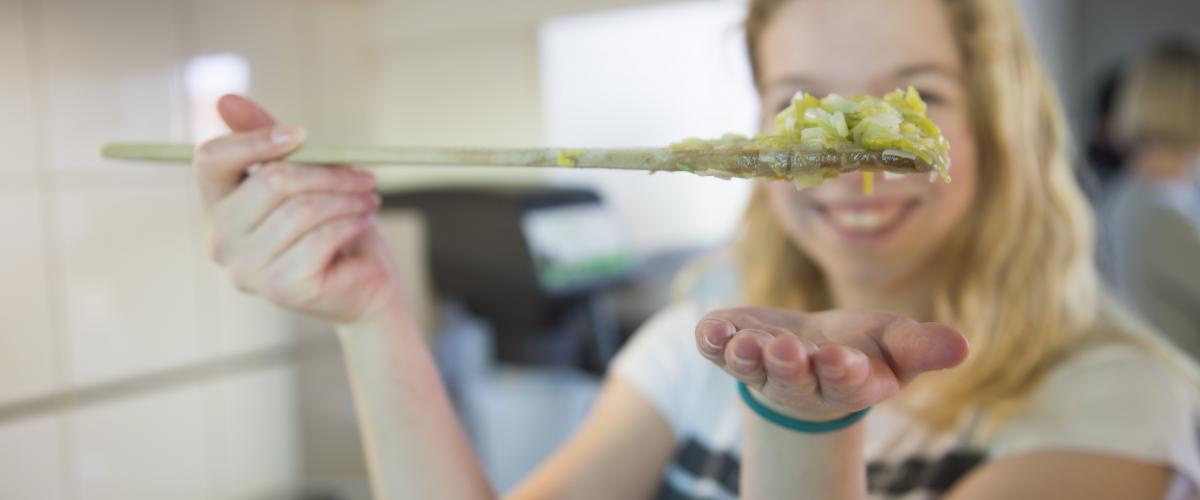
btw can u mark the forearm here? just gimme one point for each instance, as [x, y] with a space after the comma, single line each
[782, 463]
[414, 444]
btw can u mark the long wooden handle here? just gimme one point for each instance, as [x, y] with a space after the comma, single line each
[745, 163]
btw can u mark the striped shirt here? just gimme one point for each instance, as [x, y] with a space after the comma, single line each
[1112, 400]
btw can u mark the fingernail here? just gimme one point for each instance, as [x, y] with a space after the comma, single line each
[831, 371]
[287, 134]
[743, 353]
[715, 333]
[780, 360]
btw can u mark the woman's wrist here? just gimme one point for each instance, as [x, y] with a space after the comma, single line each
[815, 416]
[388, 312]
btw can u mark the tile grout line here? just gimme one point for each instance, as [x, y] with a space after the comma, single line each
[161, 380]
[51, 239]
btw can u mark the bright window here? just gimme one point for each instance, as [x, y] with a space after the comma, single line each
[205, 79]
[650, 76]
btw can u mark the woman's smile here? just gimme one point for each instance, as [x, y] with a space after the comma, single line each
[865, 218]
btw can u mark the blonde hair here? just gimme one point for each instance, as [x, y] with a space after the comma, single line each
[1160, 100]
[1017, 275]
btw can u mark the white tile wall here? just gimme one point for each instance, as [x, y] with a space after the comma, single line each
[254, 446]
[111, 73]
[128, 258]
[107, 278]
[27, 355]
[234, 322]
[30, 459]
[16, 136]
[277, 78]
[152, 446]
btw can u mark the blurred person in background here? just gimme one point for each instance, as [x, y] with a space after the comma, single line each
[1061, 396]
[1104, 155]
[1155, 212]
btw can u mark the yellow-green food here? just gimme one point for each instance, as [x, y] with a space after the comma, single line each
[567, 158]
[895, 124]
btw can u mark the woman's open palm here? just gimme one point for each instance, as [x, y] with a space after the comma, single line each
[822, 366]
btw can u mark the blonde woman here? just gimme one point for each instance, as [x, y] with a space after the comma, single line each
[1155, 215]
[1057, 399]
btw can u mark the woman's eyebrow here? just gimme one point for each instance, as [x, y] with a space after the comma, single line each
[915, 70]
[794, 81]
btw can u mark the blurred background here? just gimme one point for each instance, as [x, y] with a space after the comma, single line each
[130, 369]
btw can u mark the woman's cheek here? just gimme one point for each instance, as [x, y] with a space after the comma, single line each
[963, 172]
[788, 205]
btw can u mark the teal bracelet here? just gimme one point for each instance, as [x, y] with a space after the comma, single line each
[798, 425]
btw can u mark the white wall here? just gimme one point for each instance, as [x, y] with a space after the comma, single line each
[650, 76]
[129, 368]
[458, 89]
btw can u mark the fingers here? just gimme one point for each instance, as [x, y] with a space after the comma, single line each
[717, 327]
[295, 278]
[711, 337]
[789, 371]
[844, 372]
[297, 216]
[756, 317]
[913, 348]
[221, 163]
[248, 206]
[242, 114]
[744, 357]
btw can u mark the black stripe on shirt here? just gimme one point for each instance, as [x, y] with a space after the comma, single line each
[670, 492]
[919, 472]
[935, 476]
[699, 461]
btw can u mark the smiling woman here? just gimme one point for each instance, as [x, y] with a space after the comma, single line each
[1060, 397]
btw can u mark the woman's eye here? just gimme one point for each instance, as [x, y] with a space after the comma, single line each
[930, 97]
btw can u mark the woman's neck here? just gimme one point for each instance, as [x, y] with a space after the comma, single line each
[912, 298]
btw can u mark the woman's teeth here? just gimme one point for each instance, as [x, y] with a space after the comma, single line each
[861, 220]
[866, 220]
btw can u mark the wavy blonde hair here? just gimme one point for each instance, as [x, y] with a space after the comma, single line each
[1017, 275]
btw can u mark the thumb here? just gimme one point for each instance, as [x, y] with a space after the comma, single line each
[242, 114]
[914, 348]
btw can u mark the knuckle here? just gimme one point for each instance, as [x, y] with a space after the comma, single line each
[297, 213]
[283, 288]
[332, 229]
[206, 151]
[300, 206]
[278, 177]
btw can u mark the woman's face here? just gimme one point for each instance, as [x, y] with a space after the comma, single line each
[853, 47]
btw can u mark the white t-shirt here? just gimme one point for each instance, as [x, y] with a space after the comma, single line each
[1112, 400]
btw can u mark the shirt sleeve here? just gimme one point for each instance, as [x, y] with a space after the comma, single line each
[1115, 400]
[661, 359]
[1173, 254]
